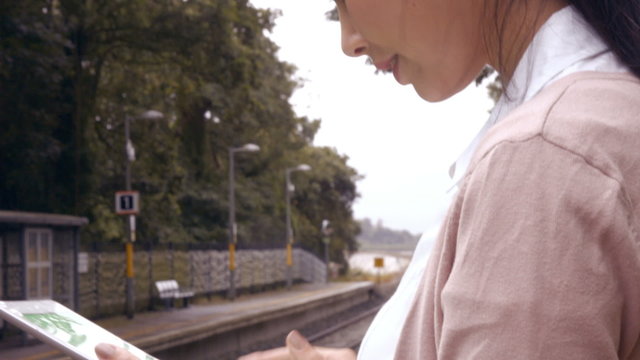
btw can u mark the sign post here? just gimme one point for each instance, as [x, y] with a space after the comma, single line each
[128, 203]
[378, 263]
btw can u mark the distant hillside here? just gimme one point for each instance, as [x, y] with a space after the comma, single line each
[378, 237]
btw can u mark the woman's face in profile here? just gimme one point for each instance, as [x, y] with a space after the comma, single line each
[435, 45]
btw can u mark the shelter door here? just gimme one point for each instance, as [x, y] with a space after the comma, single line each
[39, 274]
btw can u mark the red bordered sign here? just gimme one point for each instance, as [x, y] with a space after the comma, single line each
[127, 202]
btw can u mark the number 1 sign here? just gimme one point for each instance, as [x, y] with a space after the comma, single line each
[127, 202]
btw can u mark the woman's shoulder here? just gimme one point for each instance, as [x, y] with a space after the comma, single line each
[585, 101]
[589, 96]
[594, 115]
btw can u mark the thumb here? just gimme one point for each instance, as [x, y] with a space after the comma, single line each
[109, 352]
[300, 349]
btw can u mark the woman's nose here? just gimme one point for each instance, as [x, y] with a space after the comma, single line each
[353, 44]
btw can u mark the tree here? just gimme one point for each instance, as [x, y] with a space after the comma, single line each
[34, 143]
[377, 236]
[77, 69]
[328, 192]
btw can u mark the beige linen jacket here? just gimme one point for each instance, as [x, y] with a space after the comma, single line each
[539, 255]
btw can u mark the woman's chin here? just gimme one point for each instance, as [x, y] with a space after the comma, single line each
[431, 95]
[437, 93]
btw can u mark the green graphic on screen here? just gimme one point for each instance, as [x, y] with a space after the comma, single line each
[54, 323]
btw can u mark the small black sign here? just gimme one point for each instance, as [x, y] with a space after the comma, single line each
[127, 202]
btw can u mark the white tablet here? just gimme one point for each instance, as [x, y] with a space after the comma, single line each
[61, 327]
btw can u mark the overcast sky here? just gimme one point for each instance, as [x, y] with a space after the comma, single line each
[400, 143]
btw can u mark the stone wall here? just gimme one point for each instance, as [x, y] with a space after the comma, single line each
[102, 287]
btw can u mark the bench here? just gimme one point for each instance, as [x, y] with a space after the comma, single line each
[169, 290]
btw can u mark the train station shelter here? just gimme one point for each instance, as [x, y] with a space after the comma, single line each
[39, 256]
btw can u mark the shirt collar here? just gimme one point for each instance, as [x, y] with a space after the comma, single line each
[564, 44]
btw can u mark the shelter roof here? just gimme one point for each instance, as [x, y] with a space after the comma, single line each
[22, 217]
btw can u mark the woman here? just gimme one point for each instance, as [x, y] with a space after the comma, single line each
[539, 255]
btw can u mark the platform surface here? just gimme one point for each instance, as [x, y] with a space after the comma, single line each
[144, 327]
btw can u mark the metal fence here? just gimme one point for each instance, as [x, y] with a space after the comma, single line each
[205, 271]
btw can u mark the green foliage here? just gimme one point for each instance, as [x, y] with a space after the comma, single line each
[494, 86]
[377, 236]
[332, 14]
[327, 192]
[73, 71]
[34, 134]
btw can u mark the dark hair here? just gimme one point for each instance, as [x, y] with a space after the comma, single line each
[618, 24]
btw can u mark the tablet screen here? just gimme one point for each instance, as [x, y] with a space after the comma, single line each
[63, 328]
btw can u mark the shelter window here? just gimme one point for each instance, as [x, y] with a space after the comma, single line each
[39, 276]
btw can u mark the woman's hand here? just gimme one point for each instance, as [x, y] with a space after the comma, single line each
[111, 352]
[298, 348]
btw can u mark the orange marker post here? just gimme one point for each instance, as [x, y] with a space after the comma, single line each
[232, 256]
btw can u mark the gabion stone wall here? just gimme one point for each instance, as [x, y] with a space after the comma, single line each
[102, 287]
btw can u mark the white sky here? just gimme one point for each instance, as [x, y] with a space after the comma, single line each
[402, 144]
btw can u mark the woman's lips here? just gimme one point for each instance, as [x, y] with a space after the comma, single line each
[390, 65]
[386, 65]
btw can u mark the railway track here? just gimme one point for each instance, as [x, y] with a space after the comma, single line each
[347, 329]
[342, 330]
[347, 333]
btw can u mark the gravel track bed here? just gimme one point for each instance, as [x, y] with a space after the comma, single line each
[349, 336]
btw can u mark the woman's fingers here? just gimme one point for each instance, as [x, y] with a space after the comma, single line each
[110, 352]
[301, 349]
[273, 354]
[298, 348]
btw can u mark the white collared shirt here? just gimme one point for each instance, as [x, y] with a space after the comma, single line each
[565, 44]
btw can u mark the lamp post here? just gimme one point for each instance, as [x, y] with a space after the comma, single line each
[233, 239]
[326, 231]
[128, 246]
[288, 191]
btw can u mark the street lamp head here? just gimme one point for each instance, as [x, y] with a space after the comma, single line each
[246, 147]
[303, 167]
[249, 147]
[151, 115]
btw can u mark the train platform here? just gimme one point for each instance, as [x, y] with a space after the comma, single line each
[206, 326]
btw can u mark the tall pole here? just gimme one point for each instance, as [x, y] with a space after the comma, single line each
[232, 228]
[326, 231]
[131, 238]
[128, 246]
[127, 174]
[287, 175]
[288, 225]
